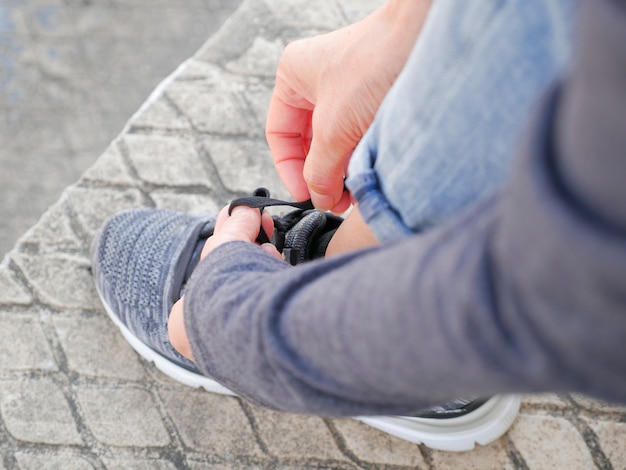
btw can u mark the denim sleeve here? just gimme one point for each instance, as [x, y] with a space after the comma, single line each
[525, 292]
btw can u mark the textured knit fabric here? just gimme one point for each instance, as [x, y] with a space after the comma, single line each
[524, 292]
[139, 260]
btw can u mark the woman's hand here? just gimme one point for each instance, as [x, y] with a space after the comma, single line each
[328, 89]
[242, 225]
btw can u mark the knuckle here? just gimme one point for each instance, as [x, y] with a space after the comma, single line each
[318, 182]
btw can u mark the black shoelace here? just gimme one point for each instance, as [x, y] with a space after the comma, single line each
[261, 199]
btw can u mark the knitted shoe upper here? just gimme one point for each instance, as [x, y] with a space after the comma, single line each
[139, 262]
[143, 257]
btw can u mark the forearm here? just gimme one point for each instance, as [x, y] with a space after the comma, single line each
[523, 293]
[405, 18]
[592, 128]
[489, 304]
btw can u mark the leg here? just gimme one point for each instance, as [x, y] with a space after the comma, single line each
[352, 234]
[444, 136]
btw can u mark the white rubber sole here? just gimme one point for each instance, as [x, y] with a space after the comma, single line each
[481, 426]
[172, 370]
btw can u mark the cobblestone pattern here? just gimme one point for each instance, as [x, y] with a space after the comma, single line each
[73, 395]
[71, 73]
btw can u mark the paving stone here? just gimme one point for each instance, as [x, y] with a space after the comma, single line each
[216, 108]
[197, 70]
[258, 21]
[592, 404]
[254, 168]
[110, 168]
[492, 456]
[233, 466]
[189, 203]
[160, 115]
[62, 281]
[308, 13]
[123, 416]
[53, 233]
[259, 96]
[261, 59]
[11, 291]
[378, 447]
[50, 459]
[138, 464]
[211, 423]
[36, 411]
[534, 436]
[195, 5]
[355, 10]
[166, 160]
[302, 465]
[314, 465]
[612, 437]
[296, 436]
[94, 347]
[544, 400]
[94, 206]
[28, 348]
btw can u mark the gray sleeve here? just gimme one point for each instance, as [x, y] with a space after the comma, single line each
[524, 292]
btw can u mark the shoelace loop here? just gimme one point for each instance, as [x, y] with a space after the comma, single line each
[261, 199]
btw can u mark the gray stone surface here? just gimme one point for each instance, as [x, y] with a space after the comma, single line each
[72, 392]
[71, 74]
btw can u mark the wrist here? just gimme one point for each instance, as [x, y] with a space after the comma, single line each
[406, 17]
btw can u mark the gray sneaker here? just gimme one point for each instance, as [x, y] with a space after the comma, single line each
[142, 259]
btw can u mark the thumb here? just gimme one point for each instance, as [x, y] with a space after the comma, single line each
[243, 224]
[324, 167]
[271, 249]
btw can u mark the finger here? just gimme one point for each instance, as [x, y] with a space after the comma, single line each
[308, 134]
[331, 148]
[221, 218]
[243, 224]
[268, 224]
[324, 173]
[286, 131]
[271, 249]
[344, 203]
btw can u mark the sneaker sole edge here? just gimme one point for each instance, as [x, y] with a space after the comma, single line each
[482, 426]
[170, 369]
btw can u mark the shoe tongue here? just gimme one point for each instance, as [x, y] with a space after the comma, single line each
[191, 259]
[309, 238]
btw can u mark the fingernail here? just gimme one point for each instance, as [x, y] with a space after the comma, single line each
[322, 202]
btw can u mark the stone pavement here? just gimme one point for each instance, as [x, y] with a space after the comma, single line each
[71, 73]
[73, 395]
